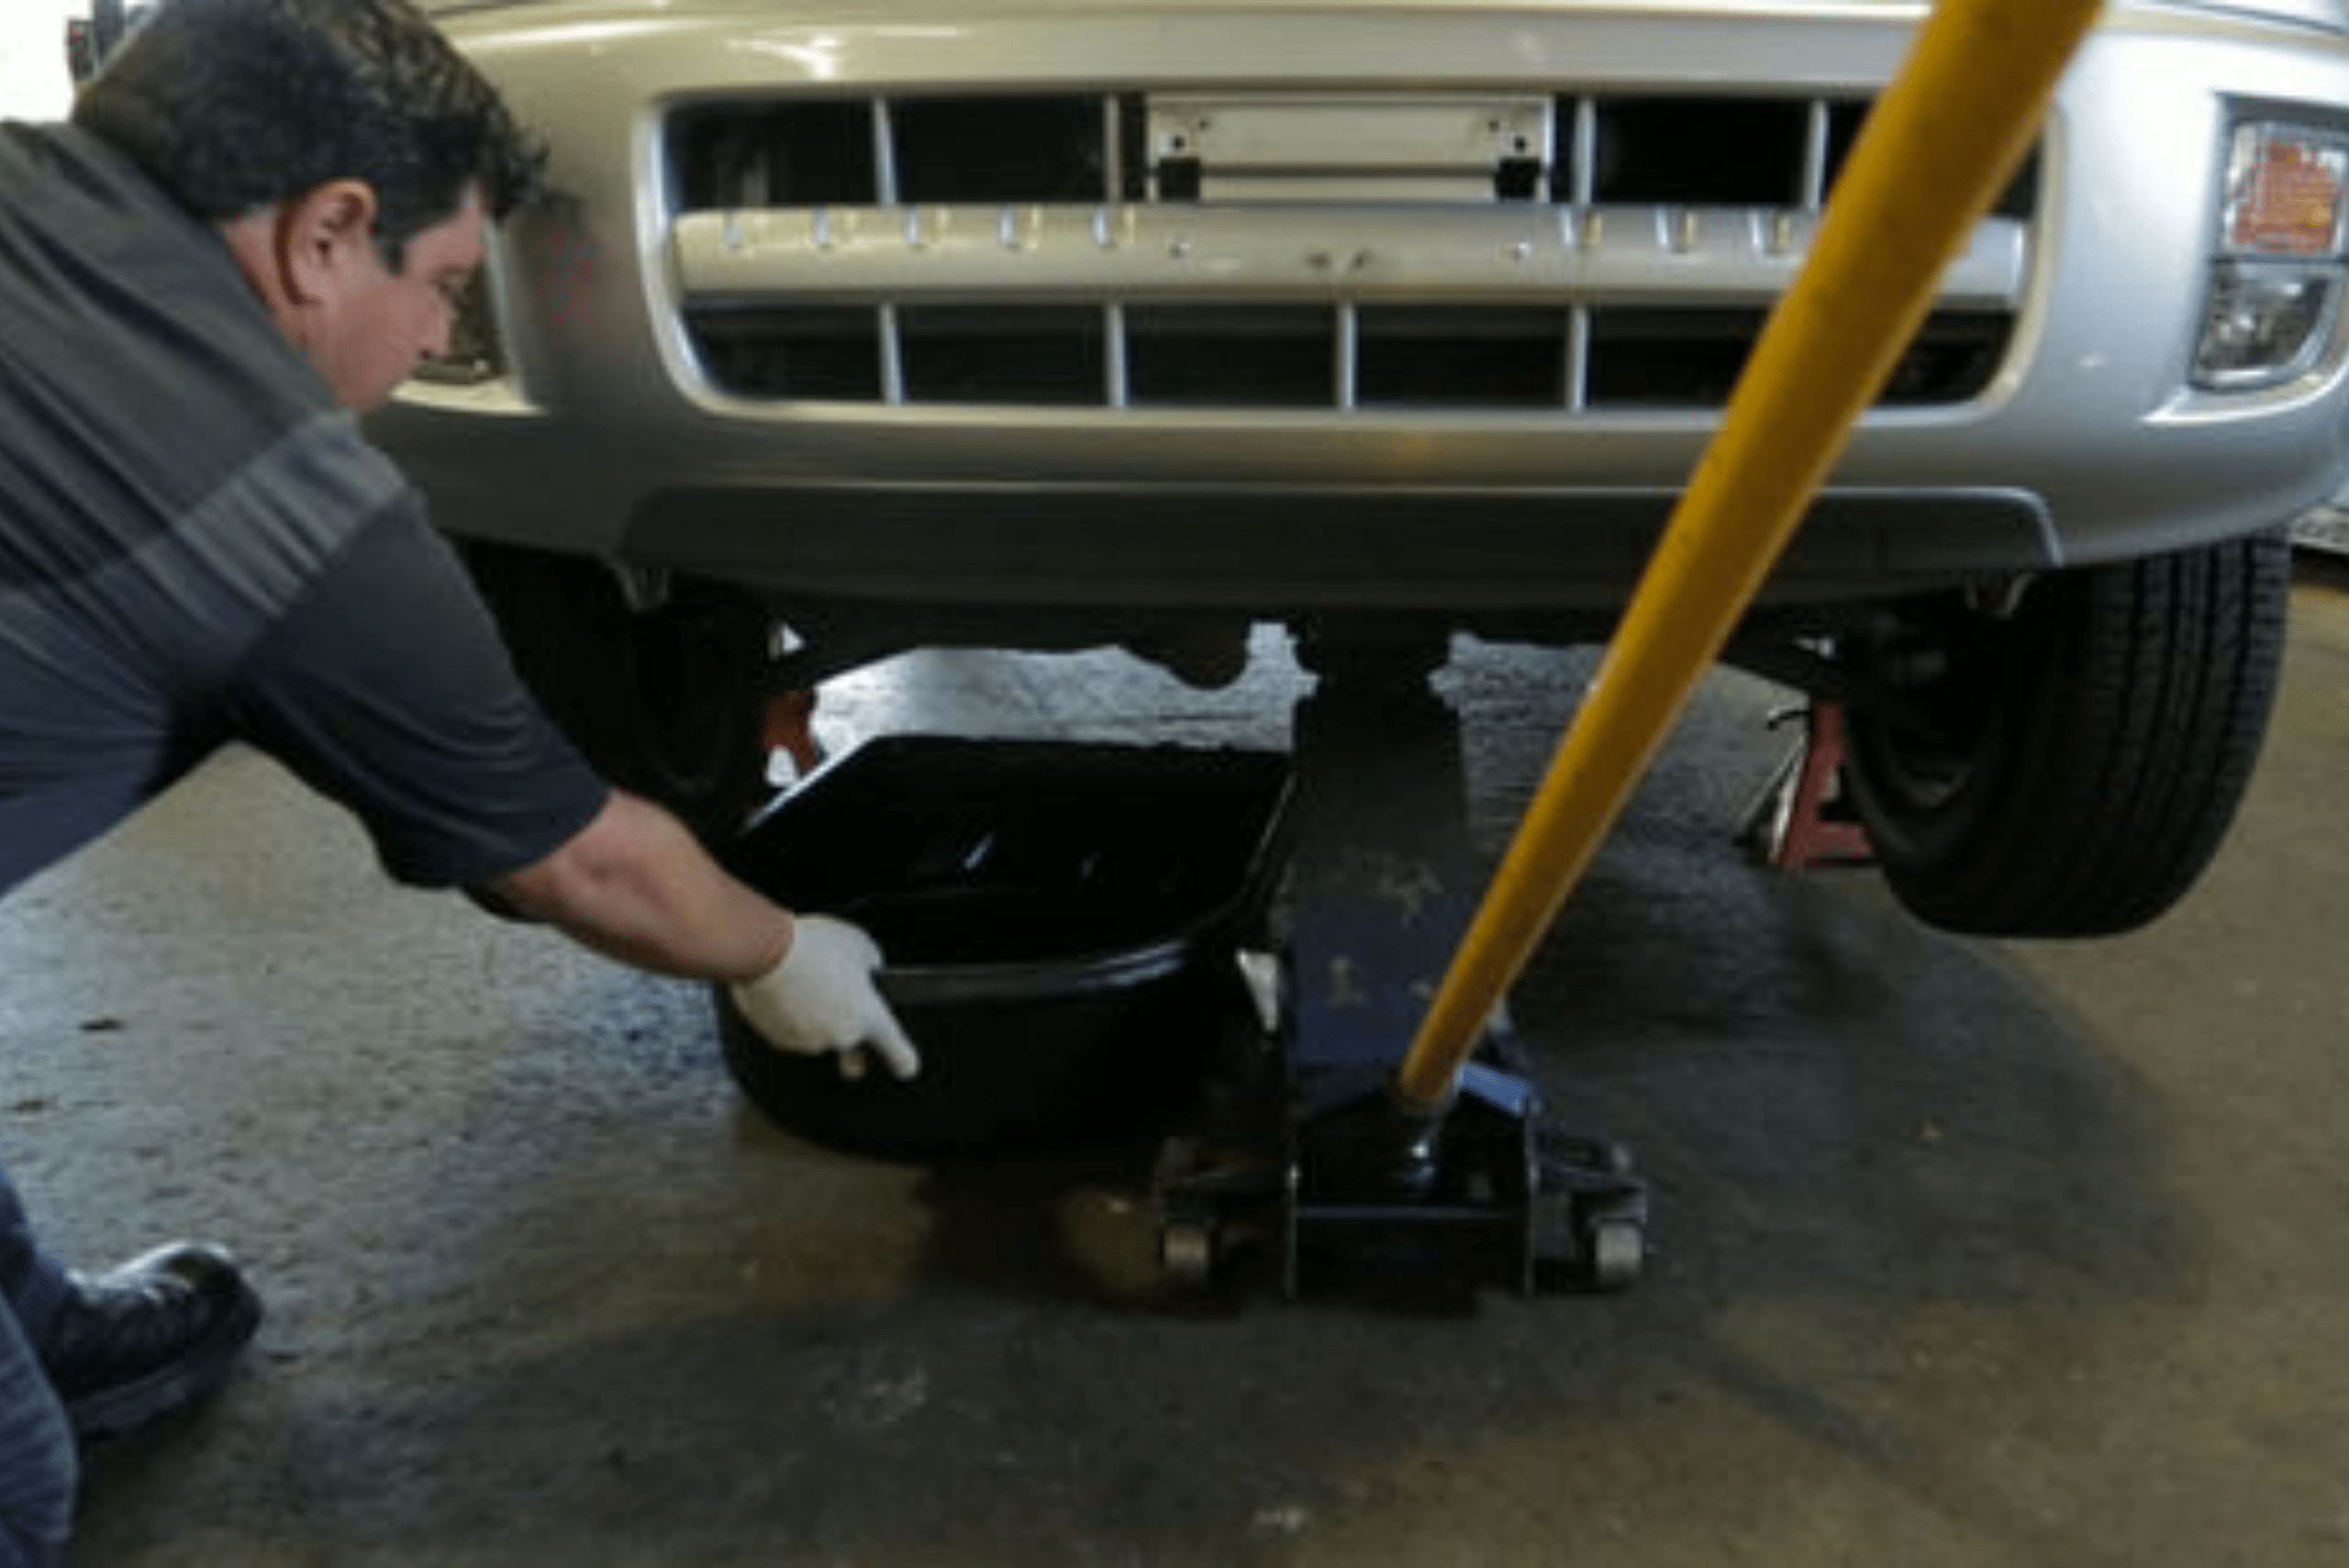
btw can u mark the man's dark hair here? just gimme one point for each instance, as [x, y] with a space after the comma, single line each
[236, 104]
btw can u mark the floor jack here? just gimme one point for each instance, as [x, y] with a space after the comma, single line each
[1384, 1158]
[1301, 1145]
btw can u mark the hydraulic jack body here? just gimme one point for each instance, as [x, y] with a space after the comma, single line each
[1323, 1159]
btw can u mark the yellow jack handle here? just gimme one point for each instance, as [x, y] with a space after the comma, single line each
[1935, 153]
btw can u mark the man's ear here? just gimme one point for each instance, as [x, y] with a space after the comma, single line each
[322, 233]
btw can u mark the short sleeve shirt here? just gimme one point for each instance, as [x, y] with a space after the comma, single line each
[198, 544]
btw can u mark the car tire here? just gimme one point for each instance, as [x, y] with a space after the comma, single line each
[2082, 754]
[665, 703]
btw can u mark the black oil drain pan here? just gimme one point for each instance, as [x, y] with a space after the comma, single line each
[1059, 920]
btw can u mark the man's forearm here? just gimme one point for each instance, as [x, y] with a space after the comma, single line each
[636, 886]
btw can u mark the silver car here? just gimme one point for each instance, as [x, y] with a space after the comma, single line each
[863, 325]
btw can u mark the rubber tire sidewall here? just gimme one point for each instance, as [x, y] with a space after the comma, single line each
[665, 705]
[2127, 704]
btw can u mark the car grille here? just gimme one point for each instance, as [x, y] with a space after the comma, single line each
[1333, 252]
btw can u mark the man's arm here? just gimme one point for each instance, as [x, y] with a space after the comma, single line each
[635, 885]
[384, 685]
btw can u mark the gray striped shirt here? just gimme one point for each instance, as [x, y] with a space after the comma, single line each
[197, 545]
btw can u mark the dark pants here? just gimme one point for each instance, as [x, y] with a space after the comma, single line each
[39, 1468]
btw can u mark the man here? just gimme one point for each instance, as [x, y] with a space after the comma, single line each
[262, 214]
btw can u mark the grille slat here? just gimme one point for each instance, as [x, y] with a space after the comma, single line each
[1574, 253]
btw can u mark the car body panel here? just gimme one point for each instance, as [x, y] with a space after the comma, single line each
[605, 433]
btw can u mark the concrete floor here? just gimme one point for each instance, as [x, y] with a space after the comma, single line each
[1963, 1253]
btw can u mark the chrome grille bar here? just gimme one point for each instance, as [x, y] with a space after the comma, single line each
[1612, 251]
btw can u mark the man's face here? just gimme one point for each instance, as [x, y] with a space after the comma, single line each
[383, 323]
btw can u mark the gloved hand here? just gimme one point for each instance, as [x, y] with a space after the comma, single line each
[821, 998]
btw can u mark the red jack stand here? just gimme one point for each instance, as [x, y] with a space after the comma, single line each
[1802, 819]
[788, 725]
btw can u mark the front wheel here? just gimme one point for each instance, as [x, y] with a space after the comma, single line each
[665, 702]
[2073, 760]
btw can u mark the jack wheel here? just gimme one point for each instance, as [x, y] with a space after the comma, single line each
[1186, 1254]
[1618, 1250]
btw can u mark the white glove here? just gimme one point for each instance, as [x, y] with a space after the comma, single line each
[821, 998]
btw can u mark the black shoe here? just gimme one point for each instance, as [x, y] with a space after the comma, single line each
[149, 1337]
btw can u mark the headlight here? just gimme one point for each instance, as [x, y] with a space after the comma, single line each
[2277, 275]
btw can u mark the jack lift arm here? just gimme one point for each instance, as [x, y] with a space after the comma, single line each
[1394, 1161]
